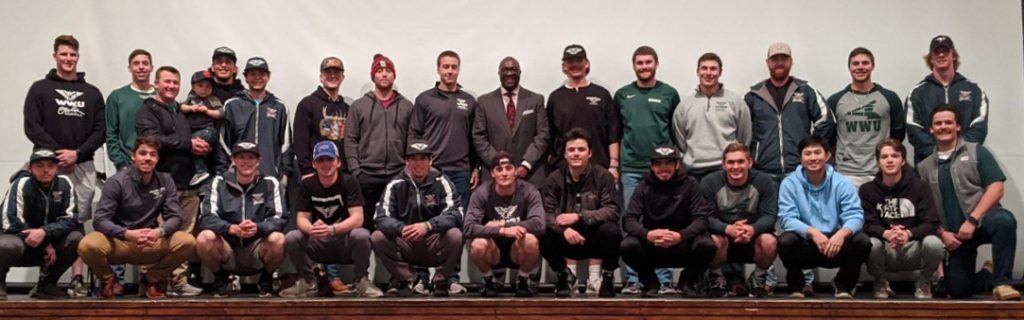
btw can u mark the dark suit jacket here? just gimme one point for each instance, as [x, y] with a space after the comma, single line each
[526, 140]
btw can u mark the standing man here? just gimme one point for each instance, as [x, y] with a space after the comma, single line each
[784, 110]
[709, 119]
[505, 219]
[945, 86]
[582, 104]
[901, 218]
[137, 222]
[866, 113]
[329, 225]
[39, 225]
[123, 104]
[821, 216]
[967, 185]
[375, 140]
[743, 222]
[582, 220]
[419, 222]
[646, 106]
[225, 83]
[513, 119]
[321, 115]
[259, 117]
[161, 118]
[667, 225]
[242, 222]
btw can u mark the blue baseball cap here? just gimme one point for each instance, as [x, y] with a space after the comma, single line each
[325, 149]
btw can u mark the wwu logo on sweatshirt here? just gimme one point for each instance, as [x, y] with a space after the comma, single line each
[70, 106]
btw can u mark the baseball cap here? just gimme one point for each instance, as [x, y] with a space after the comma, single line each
[779, 48]
[574, 51]
[501, 158]
[225, 52]
[665, 151]
[325, 149]
[202, 75]
[331, 62]
[243, 147]
[256, 63]
[417, 146]
[941, 41]
[380, 61]
[43, 154]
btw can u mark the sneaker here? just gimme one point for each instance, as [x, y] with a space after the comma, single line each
[924, 289]
[198, 179]
[3, 288]
[107, 291]
[421, 287]
[607, 287]
[843, 294]
[404, 290]
[631, 288]
[757, 283]
[716, 285]
[807, 291]
[151, 289]
[667, 289]
[235, 284]
[456, 288]
[339, 287]
[220, 285]
[366, 288]
[882, 290]
[184, 291]
[1005, 292]
[562, 286]
[650, 291]
[78, 289]
[441, 289]
[301, 288]
[690, 289]
[266, 284]
[499, 278]
[392, 287]
[49, 292]
[523, 287]
[488, 290]
[797, 295]
[593, 286]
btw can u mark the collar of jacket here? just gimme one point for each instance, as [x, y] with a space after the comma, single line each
[583, 175]
[231, 180]
[441, 93]
[136, 176]
[717, 94]
[432, 176]
[957, 77]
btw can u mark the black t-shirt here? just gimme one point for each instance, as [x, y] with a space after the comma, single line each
[329, 204]
[778, 93]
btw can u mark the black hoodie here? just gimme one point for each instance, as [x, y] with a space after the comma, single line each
[61, 114]
[592, 197]
[908, 203]
[675, 204]
[310, 127]
[171, 128]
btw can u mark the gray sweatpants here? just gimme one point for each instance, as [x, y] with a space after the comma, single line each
[439, 250]
[351, 248]
[14, 253]
[924, 255]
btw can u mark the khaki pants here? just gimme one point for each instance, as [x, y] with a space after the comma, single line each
[100, 252]
[189, 202]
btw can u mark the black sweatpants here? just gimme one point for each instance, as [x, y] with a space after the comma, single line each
[693, 256]
[602, 242]
[798, 253]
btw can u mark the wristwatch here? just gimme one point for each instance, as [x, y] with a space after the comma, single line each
[972, 220]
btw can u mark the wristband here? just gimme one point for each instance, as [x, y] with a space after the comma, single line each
[972, 220]
[331, 230]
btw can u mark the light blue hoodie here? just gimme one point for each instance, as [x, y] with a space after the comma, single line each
[832, 205]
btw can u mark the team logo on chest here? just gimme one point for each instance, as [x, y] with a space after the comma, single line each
[70, 106]
[156, 192]
[965, 96]
[257, 198]
[272, 113]
[594, 101]
[506, 213]
[653, 100]
[461, 104]
[327, 211]
[430, 200]
[57, 195]
[798, 97]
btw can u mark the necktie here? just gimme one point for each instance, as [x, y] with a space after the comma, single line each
[510, 109]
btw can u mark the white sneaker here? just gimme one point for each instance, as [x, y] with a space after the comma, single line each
[456, 288]
[198, 179]
[882, 290]
[235, 286]
[300, 289]
[842, 294]
[421, 288]
[631, 288]
[593, 286]
[924, 289]
[185, 291]
[366, 288]
[667, 289]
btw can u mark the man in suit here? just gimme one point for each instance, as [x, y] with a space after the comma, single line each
[514, 119]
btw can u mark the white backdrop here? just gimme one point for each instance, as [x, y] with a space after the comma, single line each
[295, 36]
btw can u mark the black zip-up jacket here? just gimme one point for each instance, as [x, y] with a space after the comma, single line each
[592, 197]
[127, 203]
[908, 203]
[31, 205]
[307, 128]
[375, 137]
[171, 128]
[61, 114]
[228, 203]
[445, 120]
[675, 204]
[406, 202]
[225, 92]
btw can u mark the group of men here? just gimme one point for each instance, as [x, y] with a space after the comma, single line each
[662, 180]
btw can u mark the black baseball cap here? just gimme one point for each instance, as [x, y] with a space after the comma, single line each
[417, 146]
[202, 75]
[243, 147]
[43, 154]
[256, 63]
[331, 63]
[225, 52]
[665, 151]
[574, 51]
[941, 41]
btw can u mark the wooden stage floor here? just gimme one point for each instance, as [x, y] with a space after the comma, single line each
[509, 308]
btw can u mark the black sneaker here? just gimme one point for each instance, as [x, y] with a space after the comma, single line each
[523, 288]
[266, 284]
[404, 290]
[563, 287]
[221, 279]
[607, 289]
[49, 291]
[441, 289]
[650, 290]
[488, 290]
[758, 282]
[716, 285]
[690, 289]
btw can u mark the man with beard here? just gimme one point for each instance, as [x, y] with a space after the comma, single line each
[225, 85]
[161, 118]
[259, 117]
[967, 185]
[505, 219]
[945, 86]
[137, 222]
[376, 133]
[585, 105]
[866, 113]
[667, 225]
[646, 106]
[784, 111]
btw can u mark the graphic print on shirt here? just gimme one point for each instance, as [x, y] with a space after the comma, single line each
[896, 208]
[508, 213]
[327, 206]
[70, 105]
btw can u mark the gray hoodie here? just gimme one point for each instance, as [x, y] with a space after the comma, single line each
[375, 136]
[703, 125]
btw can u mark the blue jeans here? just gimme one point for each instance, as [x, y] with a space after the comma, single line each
[629, 182]
[207, 134]
[998, 228]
